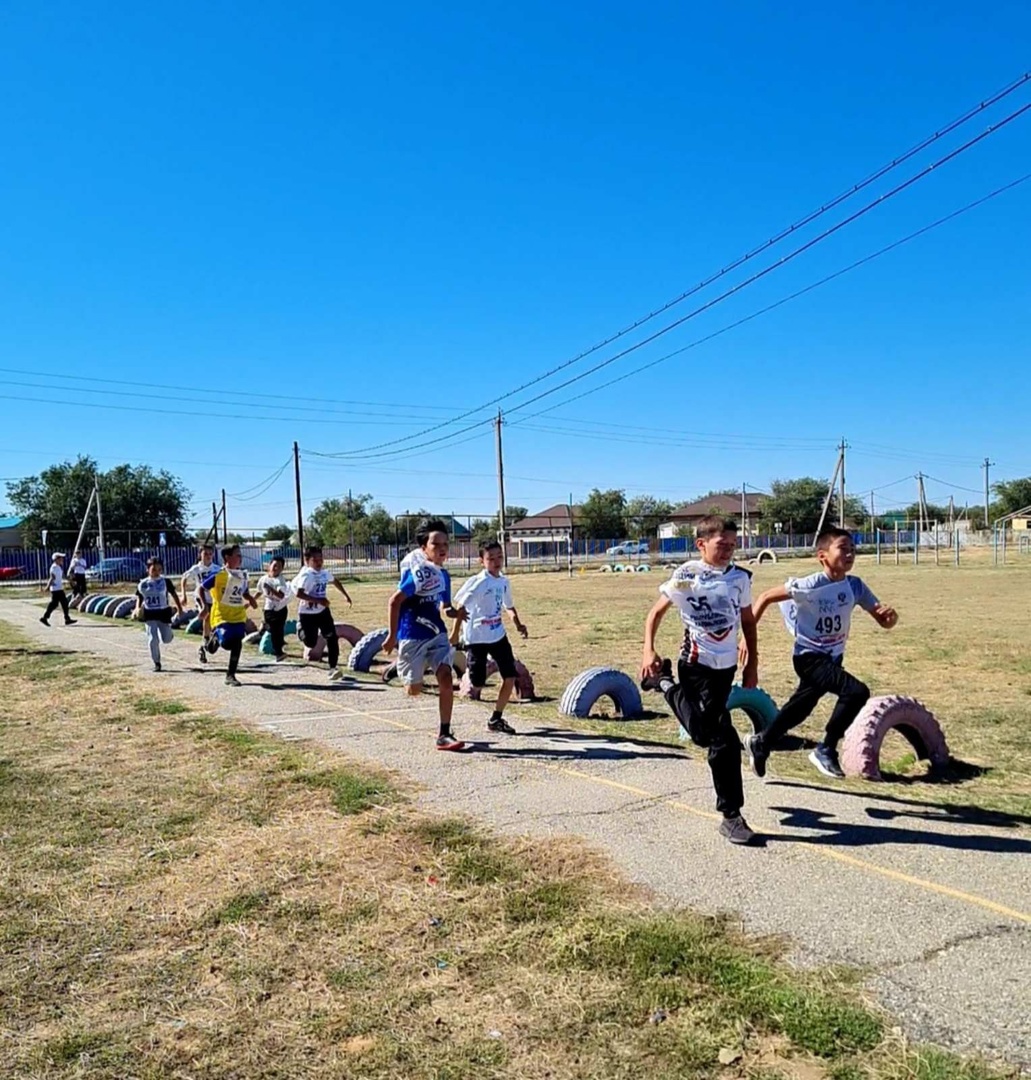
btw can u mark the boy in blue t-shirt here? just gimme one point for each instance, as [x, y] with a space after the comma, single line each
[818, 612]
[417, 629]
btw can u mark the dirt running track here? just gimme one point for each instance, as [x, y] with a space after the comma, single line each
[936, 905]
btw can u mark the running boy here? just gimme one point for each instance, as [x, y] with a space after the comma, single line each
[276, 593]
[819, 616]
[229, 596]
[55, 586]
[311, 586]
[714, 598]
[77, 572]
[417, 630]
[191, 583]
[479, 604]
[154, 610]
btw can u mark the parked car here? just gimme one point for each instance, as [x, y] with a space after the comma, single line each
[629, 547]
[9, 573]
[109, 571]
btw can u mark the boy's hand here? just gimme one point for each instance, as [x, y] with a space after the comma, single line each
[523, 632]
[750, 674]
[886, 616]
[742, 654]
[651, 663]
[390, 644]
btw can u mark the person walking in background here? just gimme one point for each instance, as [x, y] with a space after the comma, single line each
[55, 586]
[77, 572]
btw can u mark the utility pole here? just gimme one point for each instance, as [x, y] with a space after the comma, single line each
[744, 514]
[100, 517]
[952, 513]
[873, 517]
[830, 491]
[297, 490]
[225, 529]
[85, 519]
[841, 497]
[501, 490]
[986, 465]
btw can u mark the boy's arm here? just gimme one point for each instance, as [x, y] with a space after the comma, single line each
[882, 614]
[175, 596]
[456, 631]
[651, 662]
[393, 618]
[518, 623]
[776, 595]
[748, 654]
[343, 590]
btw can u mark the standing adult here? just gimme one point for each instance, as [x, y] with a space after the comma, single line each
[55, 586]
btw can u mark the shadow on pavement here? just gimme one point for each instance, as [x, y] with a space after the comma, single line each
[342, 685]
[585, 736]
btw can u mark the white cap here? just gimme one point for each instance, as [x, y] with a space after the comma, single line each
[58, 554]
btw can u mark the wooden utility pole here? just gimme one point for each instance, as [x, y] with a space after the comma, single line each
[501, 490]
[225, 528]
[841, 497]
[986, 465]
[830, 492]
[100, 517]
[297, 491]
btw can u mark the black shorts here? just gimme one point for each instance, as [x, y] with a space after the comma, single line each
[501, 653]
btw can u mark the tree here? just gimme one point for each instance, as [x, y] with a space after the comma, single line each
[930, 511]
[136, 501]
[603, 515]
[1011, 496]
[795, 505]
[354, 518]
[645, 513]
[483, 529]
[279, 534]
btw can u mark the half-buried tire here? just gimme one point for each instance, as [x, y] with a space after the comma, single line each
[587, 688]
[365, 649]
[861, 747]
[95, 602]
[756, 704]
[179, 621]
[108, 610]
[524, 687]
[125, 608]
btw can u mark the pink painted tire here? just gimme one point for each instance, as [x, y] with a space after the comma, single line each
[351, 634]
[524, 688]
[345, 632]
[861, 747]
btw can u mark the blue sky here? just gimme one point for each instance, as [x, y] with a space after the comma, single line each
[384, 218]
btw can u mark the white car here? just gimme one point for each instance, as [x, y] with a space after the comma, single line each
[629, 547]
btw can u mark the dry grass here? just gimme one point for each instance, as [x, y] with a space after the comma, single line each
[182, 897]
[960, 647]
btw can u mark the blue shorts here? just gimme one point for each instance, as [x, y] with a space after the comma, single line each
[228, 633]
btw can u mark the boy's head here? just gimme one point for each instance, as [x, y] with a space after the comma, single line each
[58, 558]
[313, 556]
[432, 539]
[207, 553]
[835, 550]
[716, 539]
[275, 568]
[76, 553]
[231, 557]
[154, 567]
[492, 557]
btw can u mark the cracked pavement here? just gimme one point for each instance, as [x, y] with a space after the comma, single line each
[931, 901]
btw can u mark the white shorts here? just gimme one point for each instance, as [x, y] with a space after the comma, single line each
[416, 656]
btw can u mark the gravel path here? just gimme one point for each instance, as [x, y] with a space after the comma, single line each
[932, 902]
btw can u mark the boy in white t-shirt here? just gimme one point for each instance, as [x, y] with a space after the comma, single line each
[714, 599]
[154, 597]
[480, 604]
[191, 585]
[311, 586]
[818, 612]
[275, 593]
[55, 586]
[77, 572]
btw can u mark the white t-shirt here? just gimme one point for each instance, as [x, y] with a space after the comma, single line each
[709, 600]
[197, 573]
[266, 583]
[485, 597]
[819, 613]
[56, 577]
[314, 583]
[77, 566]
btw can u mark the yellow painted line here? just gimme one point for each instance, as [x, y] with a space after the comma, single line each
[362, 715]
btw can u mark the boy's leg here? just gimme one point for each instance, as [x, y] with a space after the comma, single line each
[411, 666]
[276, 621]
[329, 632]
[501, 651]
[51, 608]
[62, 598]
[235, 648]
[446, 689]
[153, 642]
[437, 653]
[811, 687]
[852, 696]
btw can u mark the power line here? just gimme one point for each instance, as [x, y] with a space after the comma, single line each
[771, 307]
[809, 218]
[952, 487]
[246, 496]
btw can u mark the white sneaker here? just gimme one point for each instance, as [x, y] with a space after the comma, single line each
[335, 674]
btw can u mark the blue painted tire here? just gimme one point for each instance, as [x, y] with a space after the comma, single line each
[108, 609]
[585, 689]
[365, 649]
[195, 625]
[290, 627]
[179, 621]
[125, 607]
[94, 603]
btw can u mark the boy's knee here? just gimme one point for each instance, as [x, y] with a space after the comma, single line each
[860, 693]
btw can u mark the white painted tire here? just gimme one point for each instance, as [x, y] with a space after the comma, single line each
[365, 649]
[585, 689]
[861, 747]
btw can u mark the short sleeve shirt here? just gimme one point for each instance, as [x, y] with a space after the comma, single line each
[198, 572]
[77, 566]
[315, 583]
[819, 613]
[485, 597]
[56, 577]
[709, 600]
[266, 584]
[425, 586]
[228, 589]
[153, 594]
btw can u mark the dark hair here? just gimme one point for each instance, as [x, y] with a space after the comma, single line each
[312, 549]
[277, 558]
[431, 525]
[229, 550]
[828, 534]
[155, 561]
[207, 547]
[489, 545]
[713, 526]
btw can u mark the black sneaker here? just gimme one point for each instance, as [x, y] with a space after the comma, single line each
[232, 680]
[826, 760]
[202, 654]
[449, 742]
[502, 725]
[157, 666]
[389, 673]
[281, 657]
[757, 755]
[44, 620]
[653, 682]
[70, 622]
[736, 830]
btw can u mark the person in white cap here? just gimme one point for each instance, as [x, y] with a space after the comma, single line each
[55, 586]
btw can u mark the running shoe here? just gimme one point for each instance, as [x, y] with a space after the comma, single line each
[335, 674]
[157, 666]
[736, 830]
[70, 622]
[757, 754]
[653, 682]
[202, 654]
[449, 742]
[232, 680]
[826, 760]
[44, 620]
[502, 725]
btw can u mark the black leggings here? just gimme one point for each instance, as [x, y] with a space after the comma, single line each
[57, 599]
[78, 585]
[819, 674]
[699, 701]
[275, 624]
[234, 648]
[322, 622]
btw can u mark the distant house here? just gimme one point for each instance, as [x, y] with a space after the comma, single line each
[10, 532]
[688, 516]
[545, 532]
